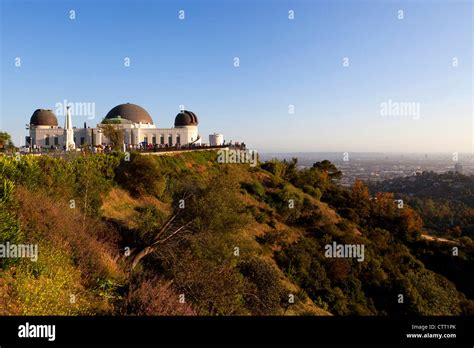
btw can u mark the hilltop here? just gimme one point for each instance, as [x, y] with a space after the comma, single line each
[186, 235]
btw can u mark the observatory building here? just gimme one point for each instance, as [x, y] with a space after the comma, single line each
[135, 122]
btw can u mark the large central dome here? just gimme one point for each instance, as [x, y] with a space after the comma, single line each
[131, 112]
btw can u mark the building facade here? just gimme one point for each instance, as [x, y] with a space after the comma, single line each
[135, 122]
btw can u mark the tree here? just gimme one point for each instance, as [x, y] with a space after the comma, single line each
[214, 209]
[328, 167]
[314, 178]
[360, 198]
[6, 141]
[114, 133]
[141, 175]
[291, 171]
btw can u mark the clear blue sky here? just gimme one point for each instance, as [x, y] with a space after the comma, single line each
[282, 62]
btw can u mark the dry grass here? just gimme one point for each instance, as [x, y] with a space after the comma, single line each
[121, 207]
[88, 243]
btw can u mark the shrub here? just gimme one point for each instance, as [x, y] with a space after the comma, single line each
[148, 222]
[212, 288]
[52, 286]
[430, 294]
[275, 167]
[153, 297]
[263, 290]
[141, 175]
[254, 188]
[10, 229]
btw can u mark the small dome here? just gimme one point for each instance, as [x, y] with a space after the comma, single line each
[43, 117]
[186, 118]
[131, 112]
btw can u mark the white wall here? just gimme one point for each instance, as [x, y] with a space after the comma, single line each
[132, 136]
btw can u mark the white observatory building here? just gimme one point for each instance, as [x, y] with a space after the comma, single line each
[137, 125]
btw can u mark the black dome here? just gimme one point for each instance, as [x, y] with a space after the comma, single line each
[186, 118]
[130, 112]
[43, 118]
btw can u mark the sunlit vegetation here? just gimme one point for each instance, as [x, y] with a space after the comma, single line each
[185, 235]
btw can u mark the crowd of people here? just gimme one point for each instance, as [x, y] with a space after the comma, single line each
[142, 147]
[165, 147]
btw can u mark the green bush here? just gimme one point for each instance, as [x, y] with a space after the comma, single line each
[264, 293]
[141, 175]
[254, 188]
[10, 229]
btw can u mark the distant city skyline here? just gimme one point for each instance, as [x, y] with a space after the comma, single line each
[322, 76]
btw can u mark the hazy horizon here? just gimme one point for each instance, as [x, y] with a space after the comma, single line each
[339, 76]
[369, 152]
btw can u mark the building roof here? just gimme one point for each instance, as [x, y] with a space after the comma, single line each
[186, 118]
[43, 117]
[131, 112]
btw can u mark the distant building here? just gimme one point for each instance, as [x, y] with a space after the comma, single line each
[137, 125]
[458, 168]
[216, 139]
[417, 173]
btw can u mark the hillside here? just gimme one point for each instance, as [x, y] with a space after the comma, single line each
[186, 235]
[444, 201]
